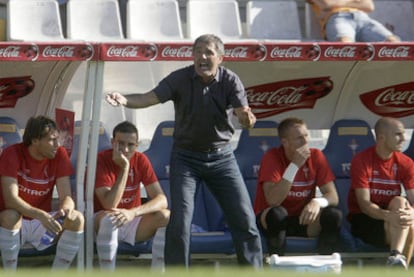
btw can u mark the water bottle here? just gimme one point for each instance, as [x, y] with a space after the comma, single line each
[48, 237]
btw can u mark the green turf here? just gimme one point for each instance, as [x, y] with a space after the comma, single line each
[212, 271]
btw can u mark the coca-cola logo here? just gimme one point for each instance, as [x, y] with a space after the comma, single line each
[177, 52]
[290, 52]
[27, 52]
[10, 52]
[274, 98]
[245, 52]
[394, 52]
[132, 52]
[123, 52]
[340, 52]
[13, 88]
[236, 52]
[61, 52]
[393, 101]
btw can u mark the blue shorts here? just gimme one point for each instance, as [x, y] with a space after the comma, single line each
[357, 26]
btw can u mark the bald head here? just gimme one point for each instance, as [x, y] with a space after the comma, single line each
[390, 136]
[386, 124]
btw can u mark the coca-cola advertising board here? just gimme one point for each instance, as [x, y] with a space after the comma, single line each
[48, 51]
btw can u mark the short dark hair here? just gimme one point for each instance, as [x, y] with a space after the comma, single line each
[37, 128]
[125, 127]
[287, 123]
[210, 38]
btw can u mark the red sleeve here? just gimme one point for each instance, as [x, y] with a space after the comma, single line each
[105, 170]
[408, 173]
[10, 162]
[324, 172]
[271, 169]
[359, 171]
[148, 174]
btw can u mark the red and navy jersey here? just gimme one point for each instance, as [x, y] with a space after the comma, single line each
[140, 171]
[315, 172]
[36, 179]
[383, 178]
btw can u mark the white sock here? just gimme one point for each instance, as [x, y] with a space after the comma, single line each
[10, 246]
[66, 249]
[158, 244]
[107, 244]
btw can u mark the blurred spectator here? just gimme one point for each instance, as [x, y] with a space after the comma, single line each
[348, 21]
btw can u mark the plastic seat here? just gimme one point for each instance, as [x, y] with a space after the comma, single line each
[346, 138]
[210, 234]
[221, 18]
[396, 15]
[275, 20]
[410, 149]
[159, 153]
[94, 20]
[34, 20]
[9, 132]
[104, 142]
[157, 20]
[253, 143]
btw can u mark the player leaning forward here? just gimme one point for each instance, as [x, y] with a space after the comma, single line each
[378, 212]
[29, 171]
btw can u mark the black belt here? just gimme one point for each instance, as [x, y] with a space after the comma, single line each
[213, 149]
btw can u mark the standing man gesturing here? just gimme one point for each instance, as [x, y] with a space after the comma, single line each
[205, 95]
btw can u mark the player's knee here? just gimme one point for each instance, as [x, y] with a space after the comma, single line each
[331, 217]
[276, 219]
[398, 202]
[75, 221]
[10, 219]
[162, 217]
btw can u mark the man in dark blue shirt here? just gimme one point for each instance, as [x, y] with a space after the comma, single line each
[205, 95]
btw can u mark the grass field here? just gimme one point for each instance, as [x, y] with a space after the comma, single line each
[216, 272]
[140, 267]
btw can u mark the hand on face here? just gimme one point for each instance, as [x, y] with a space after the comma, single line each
[301, 155]
[118, 156]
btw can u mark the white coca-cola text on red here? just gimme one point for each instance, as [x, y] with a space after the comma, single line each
[391, 96]
[64, 51]
[10, 52]
[236, 52]
[396, 52]
[180, 52]
[125, 52]
[342, 52]
[280, 97]
[291, 52]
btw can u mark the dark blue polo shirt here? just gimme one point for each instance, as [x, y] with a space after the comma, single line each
[202, 111]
